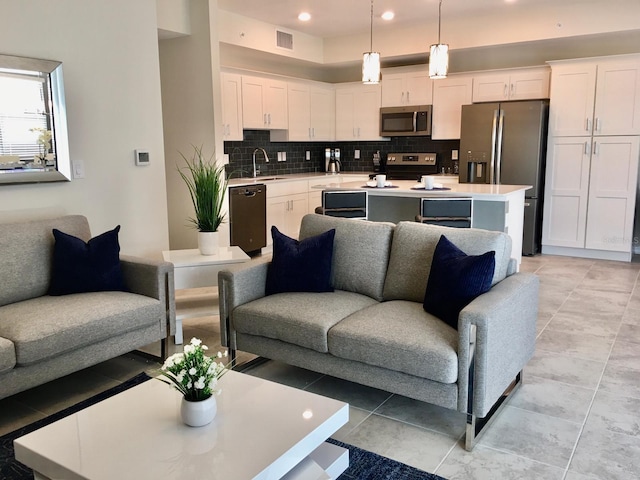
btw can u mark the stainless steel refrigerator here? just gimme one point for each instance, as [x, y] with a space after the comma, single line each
[506, 143]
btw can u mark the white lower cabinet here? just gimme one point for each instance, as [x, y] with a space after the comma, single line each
[590, 195]
[287, 203]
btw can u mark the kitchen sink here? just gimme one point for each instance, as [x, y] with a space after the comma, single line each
[267, 179]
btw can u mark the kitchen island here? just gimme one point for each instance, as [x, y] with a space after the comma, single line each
[495, 207]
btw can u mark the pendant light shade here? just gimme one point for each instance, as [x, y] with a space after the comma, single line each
[439, 61]
[371, 60]
[371, 68]
[439, 54]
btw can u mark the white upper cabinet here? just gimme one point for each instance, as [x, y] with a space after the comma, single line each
[264, 103]
[401, 86]
[596, 97]
[617, 107]
[358, 112]
[231, 106]
[521, 84]
[311, 110]
[449, 94]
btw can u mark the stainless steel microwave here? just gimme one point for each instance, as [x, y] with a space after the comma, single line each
[405, 121]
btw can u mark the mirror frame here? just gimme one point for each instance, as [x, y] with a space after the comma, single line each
[55, 81]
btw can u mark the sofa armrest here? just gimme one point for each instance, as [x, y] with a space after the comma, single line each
[237, 285]
[505, 335]
[153, 279]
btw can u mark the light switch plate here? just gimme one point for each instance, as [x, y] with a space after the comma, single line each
[356, 154]
[454, 154]
[78, 169]
[308, 155]
[142, 158]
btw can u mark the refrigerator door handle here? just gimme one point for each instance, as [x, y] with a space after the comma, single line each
[494, 147]
[496, 179]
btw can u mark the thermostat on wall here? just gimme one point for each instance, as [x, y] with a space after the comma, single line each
[142, 158]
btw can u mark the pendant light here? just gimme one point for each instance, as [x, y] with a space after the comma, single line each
[439, 54]
[371, 60]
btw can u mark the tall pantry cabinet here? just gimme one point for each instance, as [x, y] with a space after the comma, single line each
[592, 157]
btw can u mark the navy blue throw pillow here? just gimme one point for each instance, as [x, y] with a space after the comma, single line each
[80, 266]
[455, 280]
[303, 266]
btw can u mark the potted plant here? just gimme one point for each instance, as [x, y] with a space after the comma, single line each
[207, 184]
[196, 377]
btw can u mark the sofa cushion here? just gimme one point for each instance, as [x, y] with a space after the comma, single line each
[7, 355]
[401, 336]
[412, 253]
[455, 279]
[80, 266]
[299, 318]
[360, 252]
[45, 327]
[27, 249]
[300, 266]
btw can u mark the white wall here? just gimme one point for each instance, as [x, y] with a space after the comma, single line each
[109, 52]
[190, 75]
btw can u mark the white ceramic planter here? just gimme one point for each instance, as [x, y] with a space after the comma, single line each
[208, 242]
[198, 414]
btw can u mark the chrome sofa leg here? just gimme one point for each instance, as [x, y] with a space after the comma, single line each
[477, 426]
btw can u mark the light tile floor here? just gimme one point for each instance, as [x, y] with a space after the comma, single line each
[577, 416]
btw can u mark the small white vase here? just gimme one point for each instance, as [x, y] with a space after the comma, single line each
[198, 414]
[208, 243]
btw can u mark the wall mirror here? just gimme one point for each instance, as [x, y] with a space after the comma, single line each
[34, 146]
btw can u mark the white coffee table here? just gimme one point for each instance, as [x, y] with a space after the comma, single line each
[193, 270]
[263, 430]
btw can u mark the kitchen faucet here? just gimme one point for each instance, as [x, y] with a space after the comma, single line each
[266, 157]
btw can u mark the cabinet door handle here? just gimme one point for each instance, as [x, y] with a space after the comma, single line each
[269, 119]
[595, 147]
[505, 91]
[588, 126]
[586, 148]
[408, 101]
[402, 97]
[358, 132]
[597, 124]
[313, 132]
[264, 118]
[513, 89]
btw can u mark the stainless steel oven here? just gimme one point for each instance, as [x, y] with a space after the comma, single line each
[410, 166]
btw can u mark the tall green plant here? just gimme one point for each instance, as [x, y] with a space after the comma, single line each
[207, 184]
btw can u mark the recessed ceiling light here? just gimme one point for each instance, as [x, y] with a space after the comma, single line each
[388, 15]
[304, 17]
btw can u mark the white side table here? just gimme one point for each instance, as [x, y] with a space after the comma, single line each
[193, 270]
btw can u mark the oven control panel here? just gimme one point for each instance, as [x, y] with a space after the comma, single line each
[411, 159]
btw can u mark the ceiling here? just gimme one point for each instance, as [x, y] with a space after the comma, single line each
[333, 18]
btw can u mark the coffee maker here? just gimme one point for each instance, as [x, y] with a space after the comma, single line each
[332, 162]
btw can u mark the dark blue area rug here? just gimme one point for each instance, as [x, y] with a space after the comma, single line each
[363, 465]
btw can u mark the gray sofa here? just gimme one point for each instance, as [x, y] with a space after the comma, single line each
[373, 329]
[44, 337]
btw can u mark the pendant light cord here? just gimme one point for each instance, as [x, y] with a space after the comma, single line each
[439, 19]
[371, 29]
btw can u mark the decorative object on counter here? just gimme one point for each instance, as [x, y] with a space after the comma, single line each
[439, 54]
[371, 73]
[207, 184]
[44, 144]
[196, 377]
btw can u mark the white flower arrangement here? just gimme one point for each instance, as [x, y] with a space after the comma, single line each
[192, 373]
[44, 140]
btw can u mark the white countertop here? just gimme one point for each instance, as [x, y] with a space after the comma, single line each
[405, 189]
[343, 177]
[267, 179]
